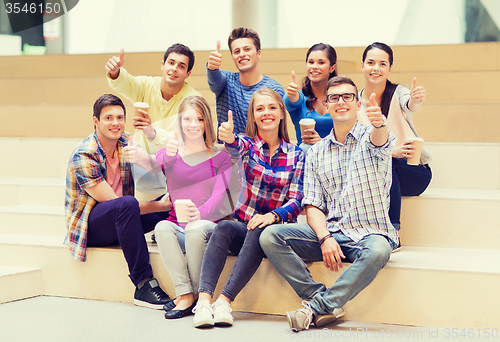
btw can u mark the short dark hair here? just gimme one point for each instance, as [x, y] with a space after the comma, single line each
[338, 80]
[105, 101]
[181, 50]
[243, 32]
[381, 46]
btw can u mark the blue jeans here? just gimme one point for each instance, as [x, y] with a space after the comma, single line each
[231, 236]
[407, 180]
[288, 245]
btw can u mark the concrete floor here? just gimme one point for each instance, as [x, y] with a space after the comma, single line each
[64, 319]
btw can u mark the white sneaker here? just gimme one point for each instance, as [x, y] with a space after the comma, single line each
[203, 315]
[300, 319]
[222, 313]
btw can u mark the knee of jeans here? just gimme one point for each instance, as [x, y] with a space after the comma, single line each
[268, 238]
[165, 230]
[380, 251]
[128, 202]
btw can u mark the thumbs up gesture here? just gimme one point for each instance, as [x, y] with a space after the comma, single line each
[417, 95]
[374, 113]
[173, 145]
[293, 89]
[132, 153]
[114, 64]
[215, 59]
[226, 129]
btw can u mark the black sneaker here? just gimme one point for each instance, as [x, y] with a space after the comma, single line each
[150, 295]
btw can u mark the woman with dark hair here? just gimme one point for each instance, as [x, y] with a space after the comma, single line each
[321, 65]
[397, 103]
[271, 175]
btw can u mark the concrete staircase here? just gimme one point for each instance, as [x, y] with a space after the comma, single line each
[447, 274]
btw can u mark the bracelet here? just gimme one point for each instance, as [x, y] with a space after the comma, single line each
[324, 238]
[276, 217]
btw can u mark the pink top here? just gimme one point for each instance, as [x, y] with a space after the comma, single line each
[204, 184]
[113, 173]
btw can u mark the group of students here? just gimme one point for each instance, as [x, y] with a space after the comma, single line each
[343, 185]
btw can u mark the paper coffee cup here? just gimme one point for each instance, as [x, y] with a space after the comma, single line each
[180, 210]
[306, 124]
[415, 157]
[140, 105]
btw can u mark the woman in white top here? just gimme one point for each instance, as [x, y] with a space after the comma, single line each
[397, 103]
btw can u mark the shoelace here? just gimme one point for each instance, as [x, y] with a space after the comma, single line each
[227, 308]
[308, 312]
[201, 306]
[159, 294]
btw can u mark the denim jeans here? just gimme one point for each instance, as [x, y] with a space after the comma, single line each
[407, 180]
[234, 237]
[118, 222]
[173, 242]
[287, 246]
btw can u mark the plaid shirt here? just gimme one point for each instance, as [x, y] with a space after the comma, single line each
[87, 168]
[350, 183]
[268, 183]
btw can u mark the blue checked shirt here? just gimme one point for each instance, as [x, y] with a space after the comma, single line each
[350, 183]
[87, 168]
[268, 183]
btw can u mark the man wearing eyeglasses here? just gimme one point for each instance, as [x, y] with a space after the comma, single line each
[346, 197]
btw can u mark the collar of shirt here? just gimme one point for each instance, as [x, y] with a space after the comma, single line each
[259, 143]
[356, 132]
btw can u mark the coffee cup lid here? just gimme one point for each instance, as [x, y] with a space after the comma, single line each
[141, 105]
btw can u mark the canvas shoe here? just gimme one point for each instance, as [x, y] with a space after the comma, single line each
[300, 319]
[222, 313]
[322, 320]
[203, 315]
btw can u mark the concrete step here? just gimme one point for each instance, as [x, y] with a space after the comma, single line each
[19, 283]
[32, 191]
[453, 218]
[437, 218]
[454, 165]
[463, 165]
[437, 279]
[33, 220]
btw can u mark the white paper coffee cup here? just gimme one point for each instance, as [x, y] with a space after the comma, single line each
[140, 105]
[180, 210]
[306, 124]
[415, 157]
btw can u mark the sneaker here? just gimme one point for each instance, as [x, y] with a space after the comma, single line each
[322, 320]
[398, 248]
[150, 295]
[222, 313]
[300, 319]
[203, 315]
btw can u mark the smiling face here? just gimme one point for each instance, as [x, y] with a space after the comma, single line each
[111, 124]
[192, 124]
[245, 54]
[344, 113]
[318, 66]
[376, 66]
[175, 69]
[267, 113]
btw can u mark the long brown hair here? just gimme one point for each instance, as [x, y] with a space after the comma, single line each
[200, 105]
[252, 129]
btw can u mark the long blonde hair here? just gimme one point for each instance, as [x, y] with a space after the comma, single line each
[200, 105]
[252, 129]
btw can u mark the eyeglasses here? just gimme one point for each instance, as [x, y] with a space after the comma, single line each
[334, 98]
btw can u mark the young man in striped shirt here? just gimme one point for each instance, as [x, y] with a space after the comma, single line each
[346, 197]
[233, 91]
